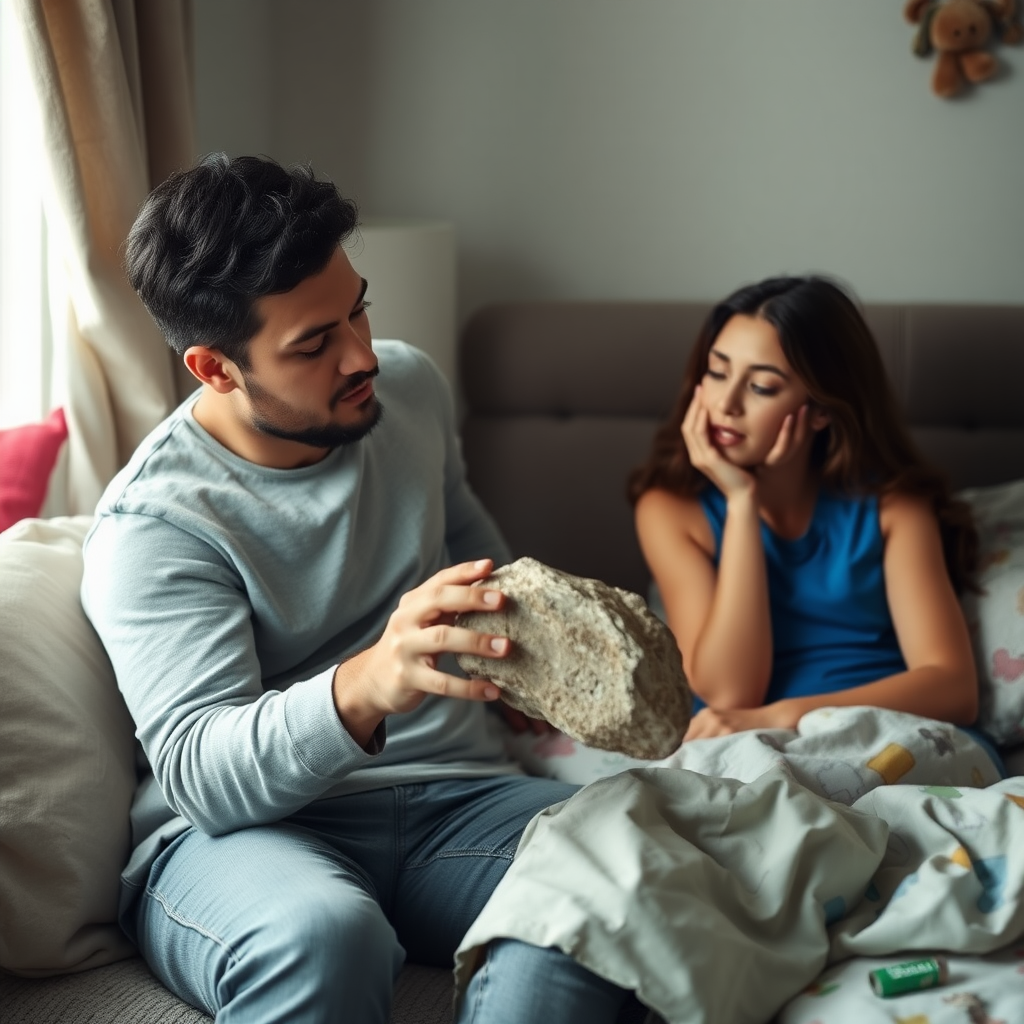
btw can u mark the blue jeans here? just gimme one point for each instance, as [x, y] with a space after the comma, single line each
[522, 984]
[311, 918]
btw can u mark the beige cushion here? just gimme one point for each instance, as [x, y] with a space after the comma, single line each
[66, 761]
[996, 615]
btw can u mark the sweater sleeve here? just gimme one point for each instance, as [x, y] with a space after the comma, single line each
[176, 622]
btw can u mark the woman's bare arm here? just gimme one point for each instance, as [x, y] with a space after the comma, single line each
[940, 680]
[721, 618]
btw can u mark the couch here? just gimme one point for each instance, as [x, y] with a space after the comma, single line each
[561, 400]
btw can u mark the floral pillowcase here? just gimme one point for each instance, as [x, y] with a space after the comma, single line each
[996, 614]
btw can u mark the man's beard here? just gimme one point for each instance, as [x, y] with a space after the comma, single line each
[325, 435]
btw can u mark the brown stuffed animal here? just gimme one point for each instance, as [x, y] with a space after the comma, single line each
[960, 30]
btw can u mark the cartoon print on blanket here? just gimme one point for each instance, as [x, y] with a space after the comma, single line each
[843, 753]
[986, 990]
[744, 861]
[839, 753]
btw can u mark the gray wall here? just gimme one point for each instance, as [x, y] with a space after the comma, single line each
[650, 149]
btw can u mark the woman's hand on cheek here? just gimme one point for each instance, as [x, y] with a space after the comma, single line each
[792, 435]
[729, 479]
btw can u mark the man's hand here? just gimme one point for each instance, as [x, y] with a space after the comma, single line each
[400, 669]
[708, 722]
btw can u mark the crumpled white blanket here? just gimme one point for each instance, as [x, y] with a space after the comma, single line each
[719, 889]
[842, 753]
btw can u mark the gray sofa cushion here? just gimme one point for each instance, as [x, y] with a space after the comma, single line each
[118, 993]
[127, 993]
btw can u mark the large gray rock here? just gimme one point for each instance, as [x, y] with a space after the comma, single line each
[589, 658]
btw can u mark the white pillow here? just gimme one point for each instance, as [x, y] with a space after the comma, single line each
[67, 769]
[996, 615]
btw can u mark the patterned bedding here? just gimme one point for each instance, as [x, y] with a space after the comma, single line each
[761, 876]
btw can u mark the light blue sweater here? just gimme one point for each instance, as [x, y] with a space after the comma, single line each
[226, 593]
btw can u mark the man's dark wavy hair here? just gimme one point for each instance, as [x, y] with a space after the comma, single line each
[211, 240]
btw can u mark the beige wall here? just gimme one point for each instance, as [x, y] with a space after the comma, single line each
[645, 149]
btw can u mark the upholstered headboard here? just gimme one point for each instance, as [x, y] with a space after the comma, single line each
[562, 400]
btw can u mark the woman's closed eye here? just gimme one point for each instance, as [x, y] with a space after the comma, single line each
[762, 390]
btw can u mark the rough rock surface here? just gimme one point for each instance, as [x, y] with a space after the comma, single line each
[587, 657]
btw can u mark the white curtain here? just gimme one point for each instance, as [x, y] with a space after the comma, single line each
[115, 87]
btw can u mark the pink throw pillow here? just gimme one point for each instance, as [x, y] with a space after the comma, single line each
[27, 457]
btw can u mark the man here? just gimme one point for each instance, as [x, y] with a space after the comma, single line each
[275, 576]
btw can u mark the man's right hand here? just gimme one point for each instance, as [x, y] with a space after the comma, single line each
[400, 669]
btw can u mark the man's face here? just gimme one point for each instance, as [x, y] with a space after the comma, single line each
[311, 365]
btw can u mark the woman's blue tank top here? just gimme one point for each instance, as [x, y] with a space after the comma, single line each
[831, 625]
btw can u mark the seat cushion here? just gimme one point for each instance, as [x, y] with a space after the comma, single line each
[126, 993]
[121, 993]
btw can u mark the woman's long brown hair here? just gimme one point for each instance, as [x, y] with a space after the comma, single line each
[866, 449]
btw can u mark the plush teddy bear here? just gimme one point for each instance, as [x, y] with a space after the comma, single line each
[960, 30]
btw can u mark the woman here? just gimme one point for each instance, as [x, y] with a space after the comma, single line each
[805, 554]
